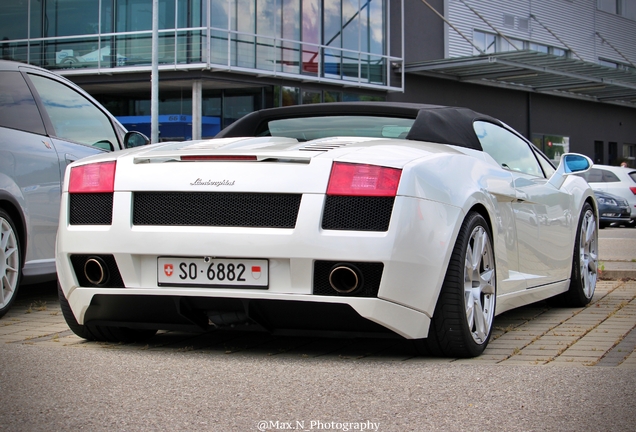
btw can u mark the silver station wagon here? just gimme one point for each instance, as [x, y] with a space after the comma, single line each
[46, 122]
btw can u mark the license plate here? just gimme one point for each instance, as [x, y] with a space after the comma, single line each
[212, 272]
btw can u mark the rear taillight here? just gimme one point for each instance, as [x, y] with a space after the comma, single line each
[633, 189]
[363, 180]
[93, 178]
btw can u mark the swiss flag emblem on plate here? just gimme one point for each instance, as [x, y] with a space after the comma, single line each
[168, 269]
[256, 272]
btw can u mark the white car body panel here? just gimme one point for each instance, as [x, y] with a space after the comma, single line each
[427, 214]
[621, 189]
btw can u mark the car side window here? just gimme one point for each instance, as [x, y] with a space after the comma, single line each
[74, 117]
[609, 177]
[17, 106]
[546, 165]
[510, 151]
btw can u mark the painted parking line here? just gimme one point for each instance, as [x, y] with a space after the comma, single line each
[601, 334]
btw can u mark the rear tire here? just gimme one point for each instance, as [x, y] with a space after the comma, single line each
[462, 322]
[10, 262]
[584, 263]
[98, 332]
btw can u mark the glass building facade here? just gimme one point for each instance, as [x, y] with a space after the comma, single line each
[341, 42]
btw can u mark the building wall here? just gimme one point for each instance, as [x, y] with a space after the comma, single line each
[575, 22]
[423, 30]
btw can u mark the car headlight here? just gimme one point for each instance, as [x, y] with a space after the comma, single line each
[608, 201]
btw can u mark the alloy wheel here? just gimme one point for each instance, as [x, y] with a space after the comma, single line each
[479, 285]
[9, 262]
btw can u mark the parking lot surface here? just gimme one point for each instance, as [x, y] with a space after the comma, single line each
[546, 369]
[601, 334]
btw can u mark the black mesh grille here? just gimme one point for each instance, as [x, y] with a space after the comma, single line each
[357, 213]
[216, 209]
[114, 277]
[371, 276]
[91, 209]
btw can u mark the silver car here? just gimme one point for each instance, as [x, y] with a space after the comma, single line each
[46, 122]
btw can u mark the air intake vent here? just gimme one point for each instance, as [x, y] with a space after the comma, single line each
[254, 210]
[357, 213]
[322, 147]
[91, 209]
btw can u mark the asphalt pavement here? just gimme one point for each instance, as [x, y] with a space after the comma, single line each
[546, 368]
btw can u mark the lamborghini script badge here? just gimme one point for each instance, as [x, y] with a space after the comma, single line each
[217, 183]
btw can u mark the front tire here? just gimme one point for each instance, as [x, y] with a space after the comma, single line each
[463, 318]
[99, 332]
[584, 263]
[10, 262]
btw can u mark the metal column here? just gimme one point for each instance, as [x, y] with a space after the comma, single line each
[197, 86]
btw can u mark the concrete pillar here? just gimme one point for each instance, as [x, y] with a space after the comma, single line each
[197, 87]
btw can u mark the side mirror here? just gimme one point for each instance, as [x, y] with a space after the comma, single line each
[571, 163]
[135, 139]
[104, 145]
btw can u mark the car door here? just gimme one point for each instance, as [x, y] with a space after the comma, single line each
[78, 128]
[542, 213]
[29, 171]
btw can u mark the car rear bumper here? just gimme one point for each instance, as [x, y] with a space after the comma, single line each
[193, 310]
[412, 254]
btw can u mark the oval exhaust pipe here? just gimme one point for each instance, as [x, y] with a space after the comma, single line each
[345, 278]
[96, 271]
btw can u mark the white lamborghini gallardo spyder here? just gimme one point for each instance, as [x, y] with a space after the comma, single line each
[418, 221]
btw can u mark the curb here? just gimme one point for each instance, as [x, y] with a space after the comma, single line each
[615, 270]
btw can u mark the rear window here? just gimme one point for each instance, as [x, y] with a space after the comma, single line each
[17, 106]
[310, 128]
[633, 176]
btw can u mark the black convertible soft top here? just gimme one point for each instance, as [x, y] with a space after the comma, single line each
[433, 123]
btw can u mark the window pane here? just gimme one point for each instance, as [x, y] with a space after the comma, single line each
[514, 46]
[267, 23]
[311, 34]
[609, 177]
[219, 14]
[559, 52]
[484, 41]
[547, 166]
[244, 22]
[17, 106]
[629, 9]
[309, 128]
[332, 96]
[376, 27]
[13, 18]
[332, 23]
[539, 48]
[607, 6]
[74, 117]
[291, 96]
[311, 97]
[71, 17]
[136, 15]
[290, 51]
[510, 151]
[350, 24]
